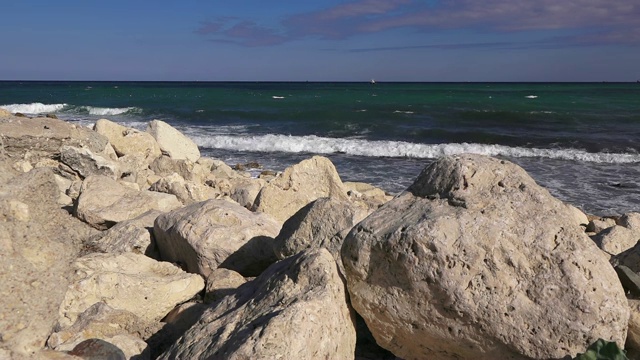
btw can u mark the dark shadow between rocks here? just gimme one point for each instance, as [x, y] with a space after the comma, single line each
[252, 258]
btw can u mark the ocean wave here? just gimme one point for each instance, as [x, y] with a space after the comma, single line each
[33, 108]
[108, 111]
[361, 147]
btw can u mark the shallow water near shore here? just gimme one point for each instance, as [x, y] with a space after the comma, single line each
[580, 141]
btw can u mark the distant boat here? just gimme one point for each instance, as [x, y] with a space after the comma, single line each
[373, 81]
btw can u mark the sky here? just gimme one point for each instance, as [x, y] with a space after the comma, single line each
[333, 40]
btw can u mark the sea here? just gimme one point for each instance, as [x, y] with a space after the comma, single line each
[579, 140]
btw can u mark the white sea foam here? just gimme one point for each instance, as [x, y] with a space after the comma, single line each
[403, 112]
[278, 97]
[107, 111]
[361, 147]
[33, 108]
[531, 96]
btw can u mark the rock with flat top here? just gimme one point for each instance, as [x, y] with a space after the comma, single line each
[172, 142]
[299, 185]
[103, 202]
[296, 309]
[129, 281]
[476, 261]
[133, 235]
[217, 233]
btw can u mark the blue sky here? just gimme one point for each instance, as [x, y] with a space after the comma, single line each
[293, 40]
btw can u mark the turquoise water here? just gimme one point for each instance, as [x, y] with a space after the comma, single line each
[580, 140]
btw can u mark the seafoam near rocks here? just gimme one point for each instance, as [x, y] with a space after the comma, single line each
[477, 261]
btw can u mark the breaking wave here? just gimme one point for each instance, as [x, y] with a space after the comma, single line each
[33, 108]
[360, 147]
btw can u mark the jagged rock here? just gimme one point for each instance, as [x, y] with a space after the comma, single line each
[299, 185]
[616, 239]
[187, 169]
[187, 192]
[86, 163]
[38, 241]
[629, 258]
[103, 202]
[173, 142]
[129, 281]
[119, 327]
[477, 261]
[629, 279]
[295, 310]
[133, 235]
[129, 141]
[216, 233]
[633, 335]
[322, 223]
[365, 195]
[220, 283]
[43, 137]
[245, 190]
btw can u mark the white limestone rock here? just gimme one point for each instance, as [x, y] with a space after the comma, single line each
[476, 261]
[172, 142]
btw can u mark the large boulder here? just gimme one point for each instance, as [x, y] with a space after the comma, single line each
[616, 239]
[322, 223]
[296, 309]
[476, 261]
[128, 141]
[216, 233]
[299, 185]
[172, 142]
[103, 202]
[129, 281]
[38, 242]
[43, 137]
[187, 192]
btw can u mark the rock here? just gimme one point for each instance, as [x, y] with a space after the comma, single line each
[129, 141]
[51, 116]
[477, 261]
[365, 194]
[86, 163]
[187, 169]
[5, 113]
[183, 316]
[244, 191]
[633, 335]
[133, 235]
[322, 223]
[131, 282]
[220, 170]
[135, 168]
[22, 166]
[96, 349]
[104, 202]
[220, 283]
[121, 328]
[172, 142]
[213, 233]
[43, 137]
[629, 279]
[38, 242]
[616, 239]
[631, 221]
[629, 258]
[579, 217]
[295, 310]
[187, 192]
[599, 224]
[299, 185]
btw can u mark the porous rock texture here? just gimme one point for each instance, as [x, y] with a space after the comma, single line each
[476, 261]
[299, 185]
[216, 233]
[129, 281]
[296, 309]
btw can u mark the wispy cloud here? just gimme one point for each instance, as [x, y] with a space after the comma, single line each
[600, 21]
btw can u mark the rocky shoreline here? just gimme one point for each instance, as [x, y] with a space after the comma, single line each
[128, 244]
